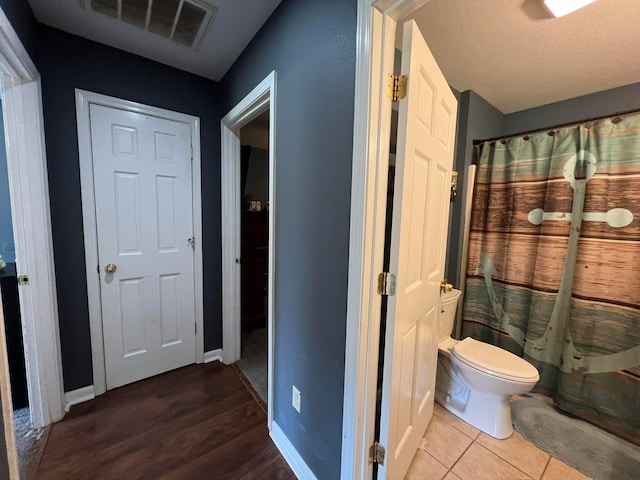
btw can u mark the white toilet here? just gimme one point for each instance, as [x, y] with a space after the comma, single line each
[474, 380]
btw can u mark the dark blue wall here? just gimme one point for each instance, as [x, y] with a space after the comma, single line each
[476, 119]
[67, 62]
[23, 22]
[596, 104]
[311, 45]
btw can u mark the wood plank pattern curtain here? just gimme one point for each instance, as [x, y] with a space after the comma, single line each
[554, 264]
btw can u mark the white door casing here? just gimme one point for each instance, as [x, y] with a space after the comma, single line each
[142, 185]
[28, 184]
[424, 160]
[141, 206]
[256, 102]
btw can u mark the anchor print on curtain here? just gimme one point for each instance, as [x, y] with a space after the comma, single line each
[554, 264]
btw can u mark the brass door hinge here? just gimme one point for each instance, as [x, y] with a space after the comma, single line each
[386, 284]
[454, 186]
[397, 87]
[376, 453]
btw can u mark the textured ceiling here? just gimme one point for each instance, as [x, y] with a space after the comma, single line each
[510, 52]
[514, 55]
[233, 27]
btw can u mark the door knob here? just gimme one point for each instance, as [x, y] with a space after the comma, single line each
[110, 268]
[445, 287]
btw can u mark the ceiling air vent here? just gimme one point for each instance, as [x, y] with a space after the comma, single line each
[183, 21]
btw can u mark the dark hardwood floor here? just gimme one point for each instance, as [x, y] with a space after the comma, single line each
[198, 422]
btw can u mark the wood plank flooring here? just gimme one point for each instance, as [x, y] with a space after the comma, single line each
[198, 422]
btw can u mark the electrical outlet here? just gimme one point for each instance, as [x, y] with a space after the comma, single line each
[296, 398]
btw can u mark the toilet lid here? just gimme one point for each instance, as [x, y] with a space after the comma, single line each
[494, 360]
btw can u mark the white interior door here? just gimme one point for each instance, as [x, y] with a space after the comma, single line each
[144, 213]
[424, 160]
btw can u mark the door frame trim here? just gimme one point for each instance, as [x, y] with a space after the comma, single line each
[83, 100]
[31, 217]
[375, 37]
[261, 98]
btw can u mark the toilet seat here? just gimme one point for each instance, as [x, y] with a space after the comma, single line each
[494, 361]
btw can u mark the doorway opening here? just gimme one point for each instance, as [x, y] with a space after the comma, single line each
[256, 105]
[391, 428]
[35, 302]
[254, 251]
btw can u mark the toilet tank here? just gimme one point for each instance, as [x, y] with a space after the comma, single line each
[449, 302]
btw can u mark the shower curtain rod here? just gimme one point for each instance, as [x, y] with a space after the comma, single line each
[560, 125]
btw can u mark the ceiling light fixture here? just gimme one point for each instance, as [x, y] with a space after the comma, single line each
[560, 8]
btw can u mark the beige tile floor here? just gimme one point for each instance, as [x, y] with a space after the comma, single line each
[454, 450]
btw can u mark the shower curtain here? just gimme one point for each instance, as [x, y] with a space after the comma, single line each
[553, 273]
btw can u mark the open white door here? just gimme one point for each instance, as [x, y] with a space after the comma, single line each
[424, 159]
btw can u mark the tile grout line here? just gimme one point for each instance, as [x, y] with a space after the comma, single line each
[475, 440]
[436, 460]
[514, 466]
[546, 466]
[458, 429]
[462, 454]
[463, 433]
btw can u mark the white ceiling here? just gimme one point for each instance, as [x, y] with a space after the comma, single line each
[510, 52]
[233, 27]
[516, 56]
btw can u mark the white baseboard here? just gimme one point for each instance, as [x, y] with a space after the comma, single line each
[290, 454]
[85, 394]
[213, 355]
[80, 395]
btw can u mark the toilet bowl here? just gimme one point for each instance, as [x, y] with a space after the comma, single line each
[475, 380]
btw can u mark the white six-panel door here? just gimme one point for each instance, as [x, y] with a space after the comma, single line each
[143, 206]
[424, 160]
